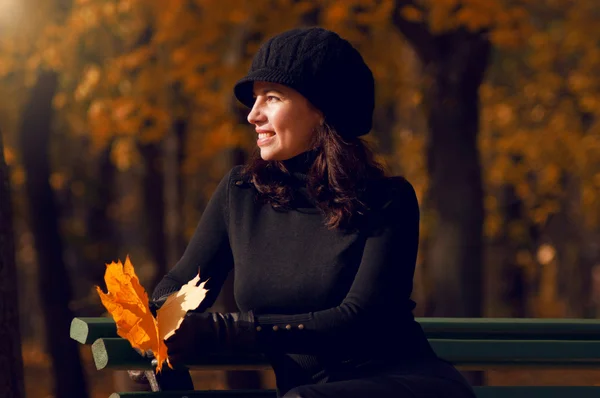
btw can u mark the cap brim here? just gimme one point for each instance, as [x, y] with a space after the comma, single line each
[244, 88]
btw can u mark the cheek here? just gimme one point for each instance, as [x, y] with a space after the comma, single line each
[301, 124]
[294, 125]
[307, 126]
[284, 123]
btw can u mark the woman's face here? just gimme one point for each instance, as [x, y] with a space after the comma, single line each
[285, 121]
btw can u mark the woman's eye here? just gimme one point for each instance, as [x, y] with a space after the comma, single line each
[272, 98]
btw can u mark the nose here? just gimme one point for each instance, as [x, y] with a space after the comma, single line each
[256, 116]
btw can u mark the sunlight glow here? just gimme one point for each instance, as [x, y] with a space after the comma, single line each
[10, 11]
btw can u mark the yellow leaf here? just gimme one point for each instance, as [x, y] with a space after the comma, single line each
[172, 312]
[127, 303]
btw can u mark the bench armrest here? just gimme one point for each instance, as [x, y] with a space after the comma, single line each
[88, 330]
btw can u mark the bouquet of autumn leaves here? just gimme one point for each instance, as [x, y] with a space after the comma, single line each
[127, 303]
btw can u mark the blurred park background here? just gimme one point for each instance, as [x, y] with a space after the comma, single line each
[117, 121]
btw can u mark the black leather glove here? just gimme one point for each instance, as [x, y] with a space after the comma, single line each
[167, 380]
[202, 334]
[156, 304]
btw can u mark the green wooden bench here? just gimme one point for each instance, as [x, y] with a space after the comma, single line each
[469, 343]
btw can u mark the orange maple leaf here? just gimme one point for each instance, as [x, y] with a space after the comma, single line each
[127, 302]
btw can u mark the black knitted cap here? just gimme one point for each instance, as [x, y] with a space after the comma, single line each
[325, 69]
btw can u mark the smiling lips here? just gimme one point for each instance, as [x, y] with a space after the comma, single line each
[264, 137]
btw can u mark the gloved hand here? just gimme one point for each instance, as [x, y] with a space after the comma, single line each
[202, 334]
[167, 380]
[156, 304]
[144, 377]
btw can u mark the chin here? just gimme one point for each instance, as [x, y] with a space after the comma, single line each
[270, 155]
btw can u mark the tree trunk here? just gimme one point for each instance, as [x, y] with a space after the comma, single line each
[454, 64]
[54, 285]
[11, 361]
[518, 288]
[101, 245]
[154, 206]
[575, 251]
[174, 191]
[455, 250]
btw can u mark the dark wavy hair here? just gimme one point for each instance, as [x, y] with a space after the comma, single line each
[336, 182]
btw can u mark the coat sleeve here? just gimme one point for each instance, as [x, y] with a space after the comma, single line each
[378, 303]
[207, 253]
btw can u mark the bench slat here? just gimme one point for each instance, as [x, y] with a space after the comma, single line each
[87, 330]
[117, 354]
[511, 328]
[518, 352]
[473, 354]
[537, 392]
[482, 392]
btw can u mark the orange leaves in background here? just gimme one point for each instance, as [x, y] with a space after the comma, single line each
[127, 302]
[508, 23]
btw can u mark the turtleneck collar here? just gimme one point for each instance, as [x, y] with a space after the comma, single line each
[299, 165]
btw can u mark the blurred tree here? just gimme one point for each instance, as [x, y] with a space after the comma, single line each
[100, 245]
[28, 68]
[453, 40]
[54, 285]
[154, 206]
[11, 360]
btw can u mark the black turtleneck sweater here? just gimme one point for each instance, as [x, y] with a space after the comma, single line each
[323, 299]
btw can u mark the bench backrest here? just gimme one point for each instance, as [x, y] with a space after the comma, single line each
[468, 343]
[481, 343]
[87, 330]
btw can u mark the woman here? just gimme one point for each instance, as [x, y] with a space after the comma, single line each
[323, 245]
